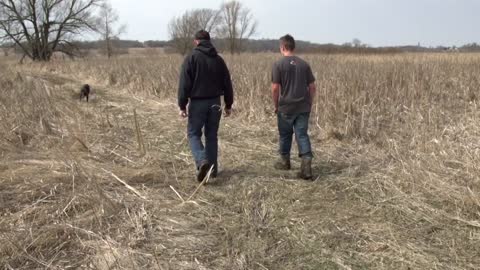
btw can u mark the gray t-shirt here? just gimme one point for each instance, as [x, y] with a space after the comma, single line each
[294, 76]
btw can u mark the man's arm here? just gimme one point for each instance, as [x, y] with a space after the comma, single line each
[276, 85]
[184, 87]
[275, 95]
[228, 91]
[312, 89]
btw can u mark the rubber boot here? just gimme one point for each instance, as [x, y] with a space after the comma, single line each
[202, 171]
[283, 163]
[306, 169]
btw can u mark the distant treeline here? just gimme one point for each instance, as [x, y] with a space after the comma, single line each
[271, 45]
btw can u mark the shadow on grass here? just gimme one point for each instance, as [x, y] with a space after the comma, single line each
[324, 169]
[230, 175]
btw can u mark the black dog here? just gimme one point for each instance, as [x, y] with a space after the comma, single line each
[84, 92]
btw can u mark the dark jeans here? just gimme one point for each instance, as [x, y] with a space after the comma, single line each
[204, 114]
[298, 124]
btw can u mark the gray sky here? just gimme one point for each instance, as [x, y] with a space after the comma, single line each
[375, 22]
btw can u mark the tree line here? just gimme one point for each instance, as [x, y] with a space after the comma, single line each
[39, 28]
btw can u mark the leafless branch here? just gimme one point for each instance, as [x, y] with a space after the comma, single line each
[40, 27]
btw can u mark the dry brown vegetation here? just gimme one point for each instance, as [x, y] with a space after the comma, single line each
[92, 186]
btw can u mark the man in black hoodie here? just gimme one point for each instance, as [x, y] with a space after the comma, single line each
[204, 78]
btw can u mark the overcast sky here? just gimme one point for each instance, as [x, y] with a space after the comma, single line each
[375, 22]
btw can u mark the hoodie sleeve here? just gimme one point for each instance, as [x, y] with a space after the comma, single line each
[185, 84]
[228, 88]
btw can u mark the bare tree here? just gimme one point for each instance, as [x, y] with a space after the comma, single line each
[41, 27]
[206, 19]
[357, 43]
[5, 49]
[182, 29]
[238, 24]
[107, 26]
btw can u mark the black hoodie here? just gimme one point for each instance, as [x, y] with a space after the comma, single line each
[204, 75]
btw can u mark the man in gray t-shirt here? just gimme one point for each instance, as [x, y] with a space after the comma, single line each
[293, 91]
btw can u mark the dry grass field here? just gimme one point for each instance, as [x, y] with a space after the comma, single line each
[109, 184]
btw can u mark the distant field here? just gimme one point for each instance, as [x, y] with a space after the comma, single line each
[109, 184]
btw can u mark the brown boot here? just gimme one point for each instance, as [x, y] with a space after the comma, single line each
[306, 169]
[283, 164]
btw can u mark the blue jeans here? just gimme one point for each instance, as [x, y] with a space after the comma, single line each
[204, 116]
[298, 124]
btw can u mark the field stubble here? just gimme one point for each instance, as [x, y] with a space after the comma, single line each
[109, 184]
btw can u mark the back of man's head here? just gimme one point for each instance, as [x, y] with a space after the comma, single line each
[288, 42]
[202, 35]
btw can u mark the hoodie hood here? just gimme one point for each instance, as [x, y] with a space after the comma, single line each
[206, 47]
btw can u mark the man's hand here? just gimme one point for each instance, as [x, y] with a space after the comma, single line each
[228, 112]
[183, 113]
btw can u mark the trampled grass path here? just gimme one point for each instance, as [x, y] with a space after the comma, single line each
[112, 187]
